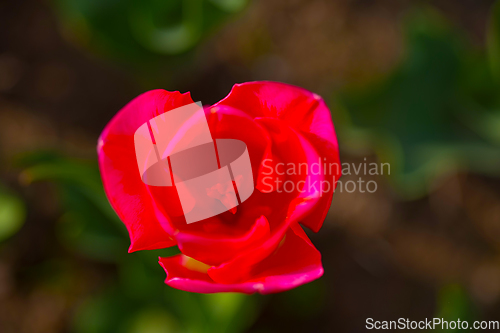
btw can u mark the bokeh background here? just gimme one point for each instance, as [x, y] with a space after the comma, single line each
[412, 83]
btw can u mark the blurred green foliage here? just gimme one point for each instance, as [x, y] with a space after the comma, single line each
[140, 301]
[494, 40]
[454, 303]
[151, 33]
[438, 112]
[12, 213]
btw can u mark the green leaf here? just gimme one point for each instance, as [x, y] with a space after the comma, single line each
[453, 303]
[172, 39]
[82, 174]
[143, 31]
[89, 225]
[12, 214]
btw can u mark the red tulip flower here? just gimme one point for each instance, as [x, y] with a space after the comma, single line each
[259, 246]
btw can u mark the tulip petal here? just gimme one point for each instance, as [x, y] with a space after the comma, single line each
[259, 247]
[126, 192]
[215, 249]
[294, 263]
[302, 110]
[289, 207]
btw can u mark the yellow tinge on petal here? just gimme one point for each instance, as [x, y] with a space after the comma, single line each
[194, 264]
